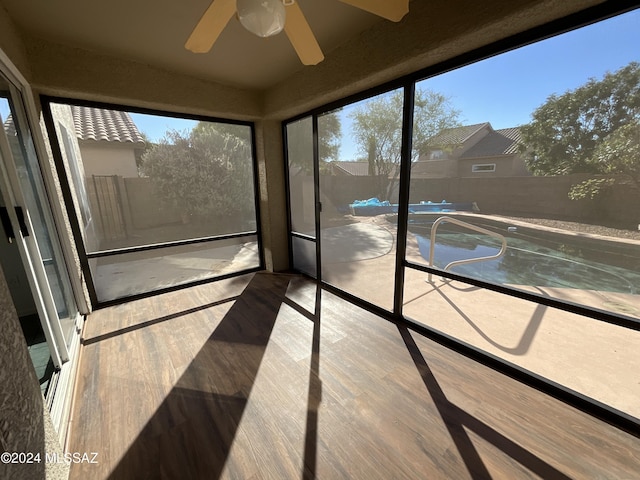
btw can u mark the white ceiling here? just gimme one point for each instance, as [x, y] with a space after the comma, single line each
[154, 32]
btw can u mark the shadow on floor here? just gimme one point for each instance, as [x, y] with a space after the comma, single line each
[192, 432]
[458, 421]
[314, 396]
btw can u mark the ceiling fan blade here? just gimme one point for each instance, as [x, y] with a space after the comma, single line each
[301, 36]
[211, 25]
[392, 10]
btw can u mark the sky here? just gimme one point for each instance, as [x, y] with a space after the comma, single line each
[155, 126]
[4, 109]
[507, 88]
[504, 90]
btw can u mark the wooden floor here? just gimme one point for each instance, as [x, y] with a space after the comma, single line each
[265, 376]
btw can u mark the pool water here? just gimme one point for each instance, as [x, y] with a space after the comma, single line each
[529, 263]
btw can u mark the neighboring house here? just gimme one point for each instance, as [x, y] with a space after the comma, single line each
[468, 151]
[354, 168]
[358, 169]
[472, 150]
[109, 141]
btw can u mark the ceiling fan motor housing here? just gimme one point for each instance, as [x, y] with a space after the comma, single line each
[263, 18]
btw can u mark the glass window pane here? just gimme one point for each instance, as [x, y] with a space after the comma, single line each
[139, 180]
[550, 161]
[301, 185]
[122, 275]
[359, 169]
[594, 358]
[304, 256]
[146, 179]
[35, 196]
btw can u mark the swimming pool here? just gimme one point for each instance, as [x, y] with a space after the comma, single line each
[541, 261]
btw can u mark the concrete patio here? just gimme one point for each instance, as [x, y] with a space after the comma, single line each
[592, 357]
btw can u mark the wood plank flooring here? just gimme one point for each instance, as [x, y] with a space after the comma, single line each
[267, 377]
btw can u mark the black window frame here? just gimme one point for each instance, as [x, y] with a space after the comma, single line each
[84, 256]
[588, 16]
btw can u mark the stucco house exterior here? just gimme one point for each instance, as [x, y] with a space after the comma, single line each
[472, 151]
[109, 141]
[467, 151]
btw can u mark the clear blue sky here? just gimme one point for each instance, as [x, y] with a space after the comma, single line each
[506, 89]
[155, 126]
[4, 110]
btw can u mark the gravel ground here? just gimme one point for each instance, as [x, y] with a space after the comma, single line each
[583, 228]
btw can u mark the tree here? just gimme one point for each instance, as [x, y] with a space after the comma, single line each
[300, 141]
[587, 130]
[139, 152]
[377, 131]
[207, 171]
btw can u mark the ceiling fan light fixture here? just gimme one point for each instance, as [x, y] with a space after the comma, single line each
[263, 18]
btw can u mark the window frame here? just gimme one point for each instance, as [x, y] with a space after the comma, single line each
[475, 169]
[562, 25]
[85, 256]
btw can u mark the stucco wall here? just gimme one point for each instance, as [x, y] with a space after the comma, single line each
[273, 201]
[108, 158]
[530, 196]
[70, 150]
[58, 207]
[146, 210]
[535, 197]
[73, 72]
[21, 418]
[25, 425]
[12, 45]
[434, 31]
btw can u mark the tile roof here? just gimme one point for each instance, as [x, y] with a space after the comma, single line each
[352, 168]
[497, 142]
[107, 125]
[456, 135]
[10, 126]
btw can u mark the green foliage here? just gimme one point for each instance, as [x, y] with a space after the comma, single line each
[139, 153]
[619, 153]
[377, 130]
[207, 171]
[592, 129]
[300, 141]
[566, 129]
[329, 134]
[589, 188]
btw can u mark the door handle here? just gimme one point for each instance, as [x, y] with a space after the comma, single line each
[23, 226]
[6, 224]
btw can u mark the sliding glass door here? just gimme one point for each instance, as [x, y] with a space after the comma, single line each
[38, 279]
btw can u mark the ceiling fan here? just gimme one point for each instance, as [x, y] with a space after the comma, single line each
[269, 17]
